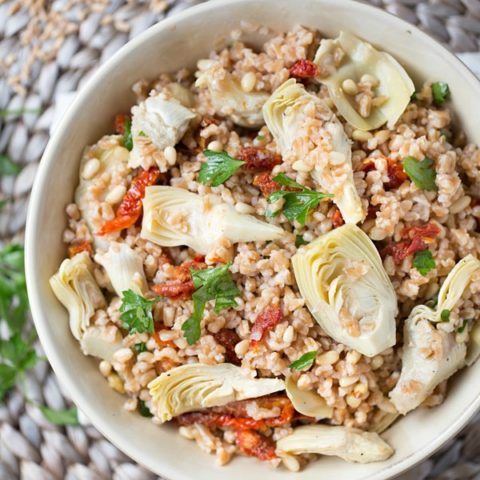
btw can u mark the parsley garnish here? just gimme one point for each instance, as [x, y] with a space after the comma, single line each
[143, 409]
[299, 241]
[127, 134]
[18, 111]
[424, 262]
[462, 328]
[422, 172]
[140, 347]
[17, 353]
[211, 284]
[7, 167]
[306, 360]
[60, 417]
[413, 97]
[440, 92]
[137, 312]
[218, 168]
[298, 203]
[445, 315]
[260, 137]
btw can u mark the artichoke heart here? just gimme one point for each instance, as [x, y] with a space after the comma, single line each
[93, 189]
[360, 58]
[291, 115]
[307, 402]
[124, 267]
[195, 386]
[228, 98]
[174, 216]
[351, 444]
[160, 120]
[431, 355]
[341, 277]
[455, 284]
[76, 288]
[101, 342]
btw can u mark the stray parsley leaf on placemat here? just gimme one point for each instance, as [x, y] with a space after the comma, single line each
[68, 416]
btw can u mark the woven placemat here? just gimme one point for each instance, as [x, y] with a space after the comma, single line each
[48, 49]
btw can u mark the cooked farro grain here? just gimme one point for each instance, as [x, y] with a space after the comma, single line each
[161, 309]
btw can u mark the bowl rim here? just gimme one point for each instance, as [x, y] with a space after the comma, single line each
[33, 227]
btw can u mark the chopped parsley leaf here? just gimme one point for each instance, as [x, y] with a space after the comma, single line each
[440, 92]
[143, 409]
[211, 284]
[306, 360]
[137, 312]
[298, 203]
[421, 172]
[299, 241]
[127, 134]
[424, 262]
[218, 168]
[445, 315]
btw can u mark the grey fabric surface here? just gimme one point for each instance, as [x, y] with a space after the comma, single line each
[47, 50]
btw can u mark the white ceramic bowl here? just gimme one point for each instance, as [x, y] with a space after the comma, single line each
[175, 43]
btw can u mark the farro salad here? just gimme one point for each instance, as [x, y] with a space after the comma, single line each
[278, 251]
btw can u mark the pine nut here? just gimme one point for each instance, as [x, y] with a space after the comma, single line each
[170, 155]
[349, 87]
[241, 207]
[91, 168]
[215, 146]
[328, 358]
[248, 82]
[379, 101]
[361, 136]
[367, 78]
[116, 195]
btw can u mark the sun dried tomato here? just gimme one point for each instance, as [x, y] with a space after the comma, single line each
[254, 444]
[119, 122]
[235, 414]
[265, 183]
[416, 240]
[426, 232]
[257, 158]
[130, 208]
[175, 290]
[264, 322]
[396, 175]
[371, 212]
[303, 69]
[337, 219]
[84, 246]
[228, 339]
[182, 284]
[156, 336]
[367, 166]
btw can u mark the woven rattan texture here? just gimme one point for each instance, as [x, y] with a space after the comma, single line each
[48, 49]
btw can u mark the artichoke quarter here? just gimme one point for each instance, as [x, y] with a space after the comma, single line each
[341, 277]
[394, 87]
[75, 287]
[351, 444]
[431, 355]
[195, 386]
